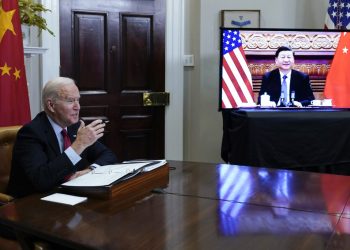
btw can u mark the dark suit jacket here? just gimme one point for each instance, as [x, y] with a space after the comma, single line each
[299, 82]
[37, 163]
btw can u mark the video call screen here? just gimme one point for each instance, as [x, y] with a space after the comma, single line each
[247, 54]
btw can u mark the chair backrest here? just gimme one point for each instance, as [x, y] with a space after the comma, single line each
[7, 140]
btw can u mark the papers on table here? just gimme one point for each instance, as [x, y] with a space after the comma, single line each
[106, 175]
[150, 165]
[64, 199]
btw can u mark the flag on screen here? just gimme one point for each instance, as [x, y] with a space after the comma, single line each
[236, 81]
[338, 14]
[14, 101]
[338, 78]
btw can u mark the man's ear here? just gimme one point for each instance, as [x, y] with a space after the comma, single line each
[50, 104]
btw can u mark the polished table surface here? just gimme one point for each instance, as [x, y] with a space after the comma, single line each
[286, 137]
[205, 206]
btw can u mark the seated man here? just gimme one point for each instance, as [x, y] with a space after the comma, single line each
[285, 85]
[44, 156]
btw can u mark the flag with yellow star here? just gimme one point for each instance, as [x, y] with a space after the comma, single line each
[14, 101]
[337, 85]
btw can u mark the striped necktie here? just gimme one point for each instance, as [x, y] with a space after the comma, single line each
[66, 141]
[66, 144]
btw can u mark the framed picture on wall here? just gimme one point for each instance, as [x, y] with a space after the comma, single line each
[240, 18]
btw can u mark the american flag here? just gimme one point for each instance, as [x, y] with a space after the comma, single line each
[236, 79]
[338, 14]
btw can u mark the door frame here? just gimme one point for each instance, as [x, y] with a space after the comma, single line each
[174, 69]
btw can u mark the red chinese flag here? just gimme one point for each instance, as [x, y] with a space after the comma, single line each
[14, 101]
[338, 78]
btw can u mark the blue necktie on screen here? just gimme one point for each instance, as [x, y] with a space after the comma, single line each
[285, 90]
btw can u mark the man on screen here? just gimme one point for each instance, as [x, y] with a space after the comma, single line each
[286, 86]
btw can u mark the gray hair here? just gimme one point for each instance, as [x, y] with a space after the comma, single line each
[51, 88]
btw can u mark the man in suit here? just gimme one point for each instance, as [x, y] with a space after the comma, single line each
[43, 155]
[285, 85]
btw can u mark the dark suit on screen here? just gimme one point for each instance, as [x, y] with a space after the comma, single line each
[299, 82]
[38, 164]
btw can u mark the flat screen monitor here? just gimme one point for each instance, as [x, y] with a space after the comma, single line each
[247, 54]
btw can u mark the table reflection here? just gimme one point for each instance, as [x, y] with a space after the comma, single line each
[238, 214]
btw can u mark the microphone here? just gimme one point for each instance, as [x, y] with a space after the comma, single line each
[292, 97]
[282, 104]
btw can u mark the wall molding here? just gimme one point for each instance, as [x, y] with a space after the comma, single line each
[174, 80]
[30, 51]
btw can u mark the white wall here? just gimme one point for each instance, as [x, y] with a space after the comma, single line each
[33, 73]
[203, 123]
[42, 67]
[174, 80]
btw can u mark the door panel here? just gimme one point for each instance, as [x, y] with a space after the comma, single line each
[115, 52]
[136, 52]
[90, 41]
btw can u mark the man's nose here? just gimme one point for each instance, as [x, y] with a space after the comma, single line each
[76, 105]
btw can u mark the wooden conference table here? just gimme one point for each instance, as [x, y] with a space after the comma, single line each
[205, 206]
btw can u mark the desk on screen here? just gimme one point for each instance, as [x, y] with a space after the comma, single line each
[286, 138]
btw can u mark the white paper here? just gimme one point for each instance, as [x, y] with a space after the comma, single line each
[106, 175]
[64, 198]
[156, 164]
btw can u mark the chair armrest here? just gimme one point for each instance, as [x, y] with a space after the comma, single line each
[4, 198]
